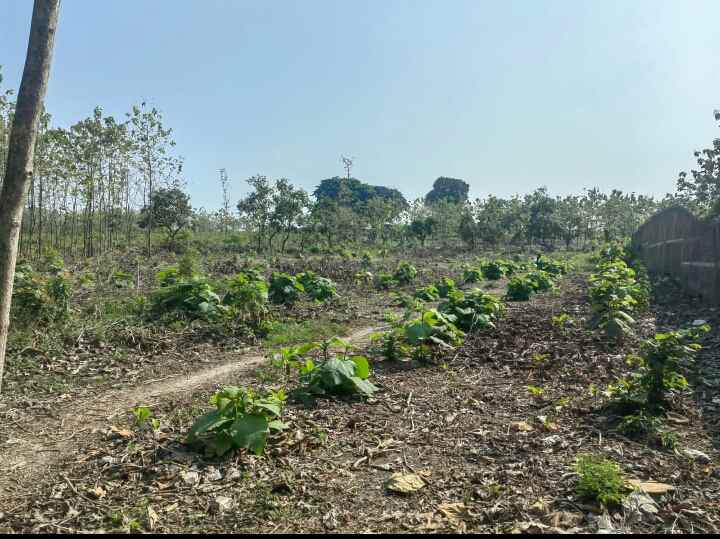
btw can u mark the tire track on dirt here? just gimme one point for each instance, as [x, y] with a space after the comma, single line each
[49, 441]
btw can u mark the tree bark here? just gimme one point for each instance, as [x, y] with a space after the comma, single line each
[21, 149]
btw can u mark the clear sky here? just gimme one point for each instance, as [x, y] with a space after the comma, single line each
[508, 95]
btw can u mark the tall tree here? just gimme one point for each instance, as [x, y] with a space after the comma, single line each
[449, 189]
[21, 147]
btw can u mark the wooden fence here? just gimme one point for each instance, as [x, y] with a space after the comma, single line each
[677, 243]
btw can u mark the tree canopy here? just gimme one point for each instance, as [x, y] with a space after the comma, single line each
[451, 189]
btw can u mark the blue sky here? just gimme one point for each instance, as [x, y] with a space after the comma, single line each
[508, 95]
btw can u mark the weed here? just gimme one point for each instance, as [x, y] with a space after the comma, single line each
[599, 479]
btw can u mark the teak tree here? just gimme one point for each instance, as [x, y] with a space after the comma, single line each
[19, 167]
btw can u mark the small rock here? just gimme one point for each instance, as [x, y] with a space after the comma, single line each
[521, 426]
[699, 322]
[550, 441]
[697, 456]
[221, 504]
[212, 474]
[564, 519]
[404, 483]
[232, 474]
[190, 478]
[637, 502]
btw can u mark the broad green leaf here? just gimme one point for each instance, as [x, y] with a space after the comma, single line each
[250, 432]
[362, 367]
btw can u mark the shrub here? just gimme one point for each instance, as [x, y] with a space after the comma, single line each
[248, 295]
[553, 267]
[405, 273]
[472, 275]
[640, 424]
[429, 293]
[42, 298]
[385, 281]
[615, 293]
[659, 366]
[492, 270]
[318, 288]
[192, 298]
[473, 310]
[541, 280]
[241, 420]
[284, 289]
[121, 279]
[600, 479]
[519, 289]
[445, 286]
[433, 328]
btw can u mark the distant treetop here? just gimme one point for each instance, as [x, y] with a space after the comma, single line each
[450, 189]
[351, 192]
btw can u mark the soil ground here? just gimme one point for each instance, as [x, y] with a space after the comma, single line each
[492, 456]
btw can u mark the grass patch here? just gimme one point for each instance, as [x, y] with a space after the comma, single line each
[286, 333]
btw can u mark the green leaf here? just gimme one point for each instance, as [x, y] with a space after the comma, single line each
[250, 432]
[363, 386]
[205, 423]
[362, 367]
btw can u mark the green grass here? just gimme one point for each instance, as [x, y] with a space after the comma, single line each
[286, 333]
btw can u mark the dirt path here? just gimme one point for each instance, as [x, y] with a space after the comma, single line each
[51, 440]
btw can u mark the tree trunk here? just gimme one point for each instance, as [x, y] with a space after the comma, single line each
[21, 148]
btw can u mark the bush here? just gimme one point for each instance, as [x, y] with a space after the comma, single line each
[433, 328]
[338, 376]
[428, 293]
[318, 288]
[615, 293]
[519, 289]
[541, 280]
[659, 368]
[553, 267]
[192, 298]
[405, 273]
[445, 286]
[492, 270]
[600, 480]
[385, 281]
[248, 295]
[473, 310]
[472, 275]
[284, 289]
[42, 298]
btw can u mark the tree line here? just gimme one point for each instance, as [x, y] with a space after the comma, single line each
[105, 183]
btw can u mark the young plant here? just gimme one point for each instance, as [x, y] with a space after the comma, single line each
[405, 273]
[193, 299]
[472, 275]
[519, 289]
[445, 287]
[428, 293]
[248, 295]
[338, 376]
[431, 332]
[473, 310]
[318, 288]
[660, 362]
[562, 322]
[492, 270]
[541, 280]
[284, 289]
[242, 419]
[600, 480]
